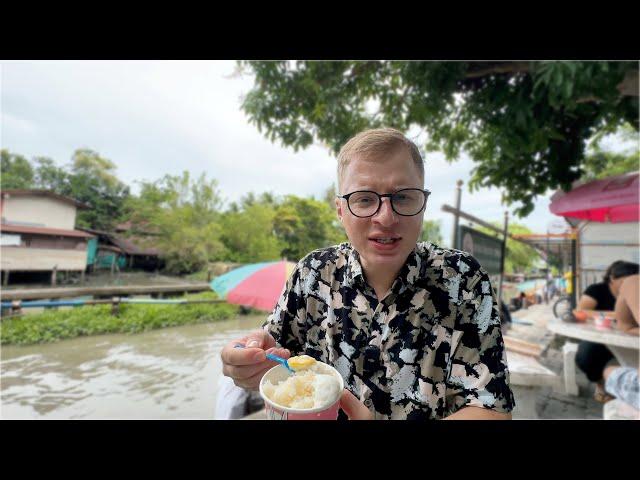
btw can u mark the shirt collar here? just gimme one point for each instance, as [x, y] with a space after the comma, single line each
[409, 273]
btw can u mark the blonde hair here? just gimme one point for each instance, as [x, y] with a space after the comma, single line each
[371, 143]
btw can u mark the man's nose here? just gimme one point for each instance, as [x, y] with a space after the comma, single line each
[385, 216]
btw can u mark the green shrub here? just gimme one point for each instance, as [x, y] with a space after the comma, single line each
[54, 325]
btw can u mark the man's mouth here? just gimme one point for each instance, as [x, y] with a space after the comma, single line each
[386, 240]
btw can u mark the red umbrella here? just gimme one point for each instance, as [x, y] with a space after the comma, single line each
[613, 199]
[258, 285]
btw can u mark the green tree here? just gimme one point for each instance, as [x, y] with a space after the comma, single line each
[16, 171]
[519, 257]
[431, 232]
[184, 213]
[534, 118]
[248, 235]
[92, 180]
[48, 176]
[602, 163]
[305, 224]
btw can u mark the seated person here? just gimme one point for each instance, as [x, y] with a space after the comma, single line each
[622, 383]
[593, 357]
[627, 305]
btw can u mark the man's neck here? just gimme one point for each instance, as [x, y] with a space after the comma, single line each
[380, 280]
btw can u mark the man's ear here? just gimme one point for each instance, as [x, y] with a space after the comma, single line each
[339, 208]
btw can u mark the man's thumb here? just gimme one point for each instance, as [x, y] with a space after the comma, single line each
[353, 407]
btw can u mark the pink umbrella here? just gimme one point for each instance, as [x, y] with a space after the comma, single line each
[613, 199]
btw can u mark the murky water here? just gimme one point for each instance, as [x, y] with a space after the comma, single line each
[170, 373]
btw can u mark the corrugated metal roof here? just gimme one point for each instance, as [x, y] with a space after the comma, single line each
[129, 246]
[44, 231]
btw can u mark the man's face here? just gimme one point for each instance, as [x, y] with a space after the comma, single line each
[386, 174]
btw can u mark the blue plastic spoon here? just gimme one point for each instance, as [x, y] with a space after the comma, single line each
[273, 357]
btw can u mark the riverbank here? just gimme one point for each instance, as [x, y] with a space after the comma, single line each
[55, 325]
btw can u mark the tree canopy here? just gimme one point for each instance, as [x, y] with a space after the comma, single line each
[534, 118]
[88, 178]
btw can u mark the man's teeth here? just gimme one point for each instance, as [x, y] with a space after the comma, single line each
[384, 240]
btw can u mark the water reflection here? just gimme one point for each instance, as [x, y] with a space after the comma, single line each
[168, 373]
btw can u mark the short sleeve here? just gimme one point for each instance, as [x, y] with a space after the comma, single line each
[479, 375]
[593, 291]
[286, 324]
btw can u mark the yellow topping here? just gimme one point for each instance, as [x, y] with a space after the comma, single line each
[301, 362]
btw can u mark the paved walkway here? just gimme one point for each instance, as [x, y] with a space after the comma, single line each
[544, 402]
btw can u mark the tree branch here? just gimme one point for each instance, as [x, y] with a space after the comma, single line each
[629, 85]
[509, 67]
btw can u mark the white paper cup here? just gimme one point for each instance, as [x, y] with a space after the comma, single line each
[276, 411]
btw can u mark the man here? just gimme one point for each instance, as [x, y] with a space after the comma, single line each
[414, 329]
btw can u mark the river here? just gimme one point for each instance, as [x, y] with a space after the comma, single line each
[170, 373]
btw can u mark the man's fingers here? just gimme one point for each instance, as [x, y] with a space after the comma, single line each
[242, 356]
[247, 371]
[253, 382]
[353, 407]
[259, 339]
[281, 352]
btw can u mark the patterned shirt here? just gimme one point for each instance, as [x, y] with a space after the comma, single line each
[431, 346]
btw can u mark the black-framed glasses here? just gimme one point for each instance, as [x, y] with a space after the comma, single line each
[406, 202]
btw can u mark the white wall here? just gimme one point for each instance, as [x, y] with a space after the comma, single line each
[33, 259]
[39, 211]
[601, 244]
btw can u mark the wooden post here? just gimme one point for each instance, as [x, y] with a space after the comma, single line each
[208, 275]
[5, 280]
[574, 272]
[456, 217]
[16, 307]
[54, 275]
[115, 305]
[503, 254]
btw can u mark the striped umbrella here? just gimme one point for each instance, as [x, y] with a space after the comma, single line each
[258, 285]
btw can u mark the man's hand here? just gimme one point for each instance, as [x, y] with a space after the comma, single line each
[353, 407]
[246, 366]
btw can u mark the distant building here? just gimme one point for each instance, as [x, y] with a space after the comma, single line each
[38, 233]
[127, 247]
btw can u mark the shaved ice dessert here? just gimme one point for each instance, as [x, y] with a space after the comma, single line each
[314, 385]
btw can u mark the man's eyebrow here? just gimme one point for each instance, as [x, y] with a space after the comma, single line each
[395, 188]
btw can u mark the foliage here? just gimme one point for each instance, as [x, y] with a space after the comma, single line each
[531, 117]
[89, 178]
[183, 212]
[520, 257]
[602, 163]
[248, 234]
[431, 232]
[16, 171]
[54, 325]
[305, 224]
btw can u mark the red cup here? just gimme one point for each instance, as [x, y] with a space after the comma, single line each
[276, 411]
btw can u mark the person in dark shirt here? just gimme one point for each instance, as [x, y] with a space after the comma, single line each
[592, 358]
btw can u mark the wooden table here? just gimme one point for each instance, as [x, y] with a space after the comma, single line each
[625, 347]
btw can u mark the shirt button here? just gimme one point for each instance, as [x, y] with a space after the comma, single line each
[367, 402]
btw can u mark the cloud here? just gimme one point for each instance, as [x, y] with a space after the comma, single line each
[153, 118]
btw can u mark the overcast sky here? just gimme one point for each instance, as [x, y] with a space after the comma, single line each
[153, 118]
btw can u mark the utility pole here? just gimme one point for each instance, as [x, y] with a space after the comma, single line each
[456, 216]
